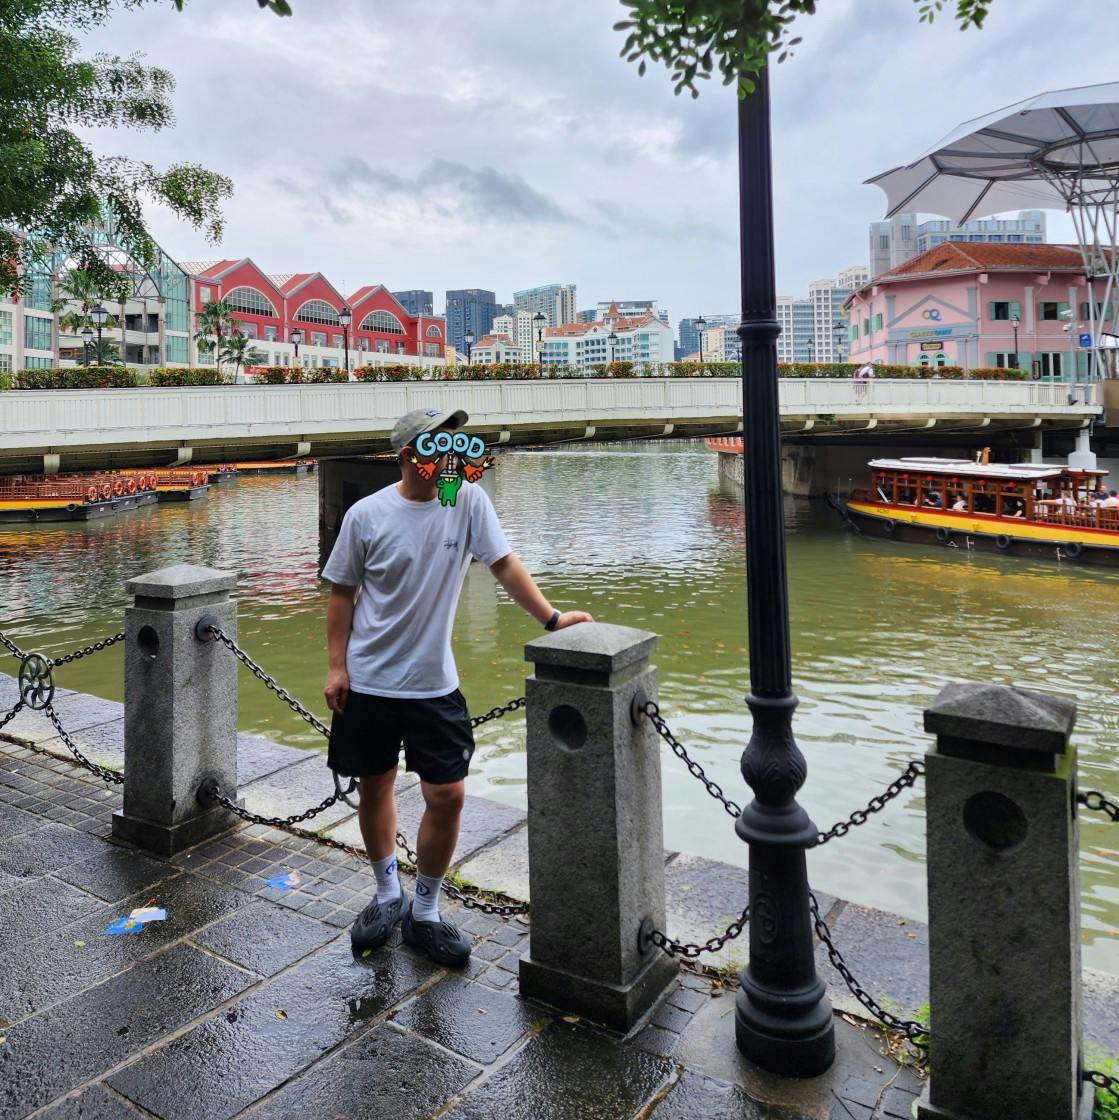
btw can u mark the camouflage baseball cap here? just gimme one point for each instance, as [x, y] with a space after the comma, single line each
[413, 424]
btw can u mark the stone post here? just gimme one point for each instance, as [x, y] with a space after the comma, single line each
[595, 841]
[1004, 907]
[180, 708]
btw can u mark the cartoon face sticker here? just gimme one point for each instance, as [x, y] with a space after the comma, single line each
[463, 457]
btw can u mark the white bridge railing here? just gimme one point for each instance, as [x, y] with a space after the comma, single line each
[52, 421]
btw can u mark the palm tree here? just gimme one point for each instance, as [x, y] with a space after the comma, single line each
[215, 323]
[79, 287]
[239, 349]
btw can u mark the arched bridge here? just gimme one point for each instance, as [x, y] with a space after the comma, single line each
[73, 430]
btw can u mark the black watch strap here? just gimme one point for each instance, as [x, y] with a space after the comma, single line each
[551, 623]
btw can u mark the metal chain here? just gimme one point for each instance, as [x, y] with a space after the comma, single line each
[915, 1032]
[106, 775]
[1093, 799]
[497, 713]
[269, 682]
[651, 709]
[690, 950]
[11, 647]
[11, 715]
[273, 822]
[1102, 1081]
[913, 771]
[85, 651]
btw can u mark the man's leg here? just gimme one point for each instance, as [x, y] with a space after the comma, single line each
[435, 845]
[376, 815]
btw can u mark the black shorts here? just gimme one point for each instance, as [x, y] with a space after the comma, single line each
[438, 740]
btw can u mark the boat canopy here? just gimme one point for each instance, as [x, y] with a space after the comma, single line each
[1018, 472]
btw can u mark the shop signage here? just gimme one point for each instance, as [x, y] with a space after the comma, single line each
[932, 345]
[940, 332]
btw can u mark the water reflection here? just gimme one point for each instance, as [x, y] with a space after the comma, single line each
[643, 535]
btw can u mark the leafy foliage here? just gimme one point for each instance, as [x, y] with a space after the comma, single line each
[239, 349]
[54, 188]
[696, 39]
[168, 376]
[76, 377]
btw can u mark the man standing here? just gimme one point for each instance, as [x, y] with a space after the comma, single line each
[395, 573]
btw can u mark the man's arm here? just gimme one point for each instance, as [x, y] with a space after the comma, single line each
[514, 577]
[339, 619]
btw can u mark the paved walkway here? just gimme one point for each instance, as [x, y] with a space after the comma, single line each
[247, 1000]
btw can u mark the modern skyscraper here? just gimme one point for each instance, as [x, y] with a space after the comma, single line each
[469, 307]
[815, 329]
[689, 336]
[902, 237]
[416, 301]
[555, 301]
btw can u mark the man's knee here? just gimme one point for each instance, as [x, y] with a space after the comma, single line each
[445, 799]
[377, 788]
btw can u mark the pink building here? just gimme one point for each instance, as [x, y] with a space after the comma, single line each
[975, 305]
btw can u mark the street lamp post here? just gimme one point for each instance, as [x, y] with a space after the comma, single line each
[1014, 321]
[100, 317]
[539, 319]
[87, 337]
[783, 1021]
[468, 338]
[838, 328]
[612, 338]
[346, 317]
[296, 340]
[811, 344]
[700, 323]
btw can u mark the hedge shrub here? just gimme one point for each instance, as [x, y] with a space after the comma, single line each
[76, 377]
[166, 377]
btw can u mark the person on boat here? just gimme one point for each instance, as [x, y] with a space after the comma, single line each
[1066, 503]
[396, 572]
[960, 504]
[1016, 508]
[1099, 495]
[933, 498]
[1111, 501]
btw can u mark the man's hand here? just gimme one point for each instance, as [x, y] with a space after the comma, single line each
[572, 618]
[336, 690]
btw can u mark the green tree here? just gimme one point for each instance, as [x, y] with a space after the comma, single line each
[214, 323]
[734, 38]
[53, 188]
[241, 351]
[79, 291]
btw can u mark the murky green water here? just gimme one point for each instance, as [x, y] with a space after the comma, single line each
[642, 536]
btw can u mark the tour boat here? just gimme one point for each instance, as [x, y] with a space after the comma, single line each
[176, 484]
[72, 497]
[1032, 509]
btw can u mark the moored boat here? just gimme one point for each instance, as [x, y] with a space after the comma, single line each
[70, 497]
[1033, 509]
[176, 484]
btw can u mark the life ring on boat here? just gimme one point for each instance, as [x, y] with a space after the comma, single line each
[943, 534]
[889, 527]
[153, 481]
[131, 486]
[1002, 541]
[106, 491]
[91, 494]
[118, 487]
[1073, 549]
[197, 478]
[71, 506]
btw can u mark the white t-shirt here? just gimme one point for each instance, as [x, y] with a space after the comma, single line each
[410, 559]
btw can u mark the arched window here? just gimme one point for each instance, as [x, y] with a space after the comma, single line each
[381, 321]
[250, 302]
[434, 332]
[317, 311]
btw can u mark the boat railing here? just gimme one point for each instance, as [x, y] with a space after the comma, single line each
[1079, 519]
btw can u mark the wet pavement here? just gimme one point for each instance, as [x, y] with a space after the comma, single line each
[249, 1001]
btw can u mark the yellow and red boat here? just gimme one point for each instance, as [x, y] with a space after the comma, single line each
[71, 497]
[175, 484]
[1033, 509]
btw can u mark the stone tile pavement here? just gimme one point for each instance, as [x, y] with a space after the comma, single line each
[248, 1001]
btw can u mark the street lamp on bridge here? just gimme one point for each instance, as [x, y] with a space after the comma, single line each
[346, 317]
[100, 317]
[297, 340]
[612, 338]
[87, 338]
[540, 319]
[700, 323]
[468, 338]
[1014, 321]
[839, 328]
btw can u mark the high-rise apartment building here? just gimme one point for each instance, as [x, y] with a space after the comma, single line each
[690, 341]
[555, 301]
[416, 301]
[469, 307]
[902, 237]
[815, 329]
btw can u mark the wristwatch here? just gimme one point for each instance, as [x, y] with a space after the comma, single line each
[551, 623]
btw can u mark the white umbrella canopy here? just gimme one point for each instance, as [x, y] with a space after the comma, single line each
[1054, 151]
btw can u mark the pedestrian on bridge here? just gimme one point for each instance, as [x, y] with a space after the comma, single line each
[395, 573]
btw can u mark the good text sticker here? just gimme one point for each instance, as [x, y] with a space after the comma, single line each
[466, 458]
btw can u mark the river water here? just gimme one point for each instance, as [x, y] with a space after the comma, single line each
[643, 535]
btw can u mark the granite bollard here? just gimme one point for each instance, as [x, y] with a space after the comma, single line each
[595, 837]
[180, 708]
[1004, 908]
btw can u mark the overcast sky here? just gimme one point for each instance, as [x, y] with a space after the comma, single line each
[501, 144]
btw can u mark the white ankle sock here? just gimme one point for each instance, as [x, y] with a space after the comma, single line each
[388, 885]
[425, 906]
